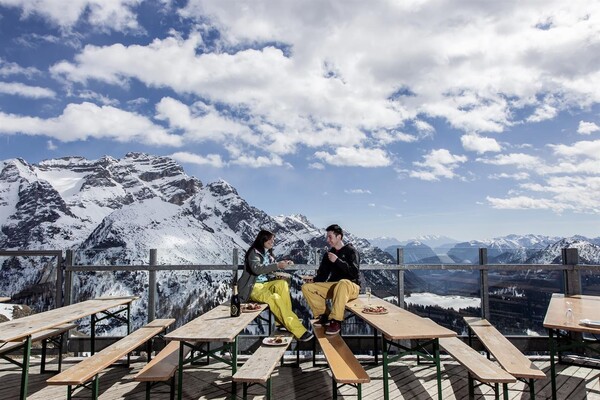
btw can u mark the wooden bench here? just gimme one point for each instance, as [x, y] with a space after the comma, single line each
[89, 368]
[162, 368]
[259, 367]
[477, 366]
[54, 335]
[345, 368]
[508, 356]
[4, 299]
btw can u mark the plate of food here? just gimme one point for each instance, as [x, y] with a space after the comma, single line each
[589, 322]
[277, 340]
[251, 307]
[377, 310]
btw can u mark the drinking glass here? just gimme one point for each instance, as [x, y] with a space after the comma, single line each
[368, 293]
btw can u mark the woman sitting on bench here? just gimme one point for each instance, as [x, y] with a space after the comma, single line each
[254, 285]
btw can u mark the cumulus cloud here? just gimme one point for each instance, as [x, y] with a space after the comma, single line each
[260, 161]
[519, 176]
[85, 120]
[586, 128]
[437, 164]
[474, 142]
[213, 160]
[20, 89]
[519, 160]
[353, 156]
[114, 14]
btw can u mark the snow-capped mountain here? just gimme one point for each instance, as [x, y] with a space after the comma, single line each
[113, 211]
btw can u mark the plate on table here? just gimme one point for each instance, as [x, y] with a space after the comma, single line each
[589, 322]
[375, 310]
[277, 340]
[251, 307]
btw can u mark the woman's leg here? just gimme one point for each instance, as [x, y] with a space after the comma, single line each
[277, 296]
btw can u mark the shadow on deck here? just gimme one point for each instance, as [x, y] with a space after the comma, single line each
[409, 380]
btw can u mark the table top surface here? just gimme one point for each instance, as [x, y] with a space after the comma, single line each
[19, 329]
[216, 325]
[4, 299]
[398, 323]
[583, 306]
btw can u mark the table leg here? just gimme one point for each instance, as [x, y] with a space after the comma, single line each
[25, 369]
[234, 351]
[552, 364]
[180, 372]
[386, 389]
[436, 354]
[93, 334]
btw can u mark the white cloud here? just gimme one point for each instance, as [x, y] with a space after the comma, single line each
[10, 68]
[20, 89]
[520, 176]
[355, 157]
[588, 149]
[316, 165]
[213, 160]
[474, 142]
[113, 14]
[586, 128]
[85, 120]
[437, 164]
[520, 160]
[357, 191]
[260, 161]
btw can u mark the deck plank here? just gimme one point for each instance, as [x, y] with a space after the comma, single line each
[408, 381]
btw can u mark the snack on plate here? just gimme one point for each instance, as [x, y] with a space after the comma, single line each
[278, 339]
[375, 310]
[251, 307]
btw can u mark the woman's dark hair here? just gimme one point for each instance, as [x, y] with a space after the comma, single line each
[259, 244]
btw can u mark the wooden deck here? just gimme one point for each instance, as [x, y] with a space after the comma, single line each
[408, 381]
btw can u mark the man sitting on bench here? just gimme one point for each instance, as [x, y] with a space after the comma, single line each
[337, 279]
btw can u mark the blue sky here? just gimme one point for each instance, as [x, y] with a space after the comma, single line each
[461, 118]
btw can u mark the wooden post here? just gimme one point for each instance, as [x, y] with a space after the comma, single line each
[400, 262]
[484, 286]
[68, 277]
[152, 287]
[572, 276]
[58, 300]
[235, 267]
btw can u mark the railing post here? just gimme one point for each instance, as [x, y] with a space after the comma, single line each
[68, 277]
[152, 287]
[235, 267]
[59, 281]
[400, 262]
[572, 276]
[484, 286]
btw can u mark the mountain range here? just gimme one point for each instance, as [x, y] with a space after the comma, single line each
[113, 211]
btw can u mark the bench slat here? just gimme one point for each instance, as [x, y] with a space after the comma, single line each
[38, 337]
[342, 362]
[507, 355]
[163, 366]
[88, 368]
[481, 367]
[260, 366]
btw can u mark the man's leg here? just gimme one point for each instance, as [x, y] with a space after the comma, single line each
[343, 292]
[316, 295]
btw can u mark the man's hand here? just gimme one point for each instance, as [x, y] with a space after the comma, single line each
[332, 257]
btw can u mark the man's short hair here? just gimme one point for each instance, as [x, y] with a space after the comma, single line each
[335, 228]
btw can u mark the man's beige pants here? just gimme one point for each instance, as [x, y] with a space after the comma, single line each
[340, 293]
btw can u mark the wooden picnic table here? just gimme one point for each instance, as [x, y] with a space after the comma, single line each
[399, 324]
[215, 325]
[23, 328]
[4, 299]
[582, 307]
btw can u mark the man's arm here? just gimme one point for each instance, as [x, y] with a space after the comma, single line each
[323, 272]
[348, 263]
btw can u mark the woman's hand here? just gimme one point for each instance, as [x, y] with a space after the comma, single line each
[284, 263]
